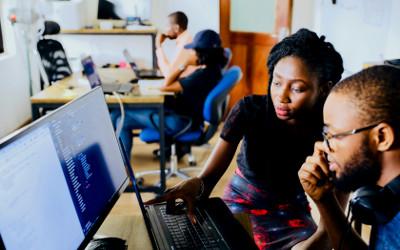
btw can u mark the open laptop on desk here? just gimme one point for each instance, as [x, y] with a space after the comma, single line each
[141, 73]
[216, 228]
[93, 76]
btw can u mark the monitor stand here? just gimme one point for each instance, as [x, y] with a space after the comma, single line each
[108, 243]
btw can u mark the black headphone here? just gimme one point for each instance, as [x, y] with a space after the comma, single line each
[373, 205]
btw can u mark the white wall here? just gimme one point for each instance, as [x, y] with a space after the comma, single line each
[14, 83]
[202, 14]
[362, 31]
[303, 15]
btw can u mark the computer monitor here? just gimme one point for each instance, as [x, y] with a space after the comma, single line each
[60, 177]
[122, 9]
[1, 36]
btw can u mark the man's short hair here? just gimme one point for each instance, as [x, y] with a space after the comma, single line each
[180, 18]
[375, 91]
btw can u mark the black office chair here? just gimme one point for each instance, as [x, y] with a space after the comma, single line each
[52, 54]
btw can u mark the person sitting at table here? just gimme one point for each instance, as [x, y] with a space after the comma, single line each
[191, 91]
[177, 30]
[277, 131]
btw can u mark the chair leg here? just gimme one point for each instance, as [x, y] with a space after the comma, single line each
[173, 170]
[192, 159]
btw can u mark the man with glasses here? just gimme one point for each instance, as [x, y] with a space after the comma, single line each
[361, 149]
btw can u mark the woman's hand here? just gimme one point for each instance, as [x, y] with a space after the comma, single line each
[314, 174]
[187, 191]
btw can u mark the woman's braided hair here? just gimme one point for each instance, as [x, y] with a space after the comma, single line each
[320, 56]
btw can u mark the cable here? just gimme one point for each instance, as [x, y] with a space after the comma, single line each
[118, 128]
[348, 228]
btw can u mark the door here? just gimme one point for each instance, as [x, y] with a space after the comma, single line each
[251, 29]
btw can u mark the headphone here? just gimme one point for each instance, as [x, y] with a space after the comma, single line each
[373, 205]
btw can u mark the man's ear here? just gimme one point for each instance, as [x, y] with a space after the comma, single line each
[176, 28]
[383, 136]
[325, 89]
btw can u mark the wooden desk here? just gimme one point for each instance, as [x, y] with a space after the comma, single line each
[126, 222]
[150, 31]
[76, 85]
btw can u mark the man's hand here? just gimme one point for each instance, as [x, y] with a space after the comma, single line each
[160, 38]
[314, 174]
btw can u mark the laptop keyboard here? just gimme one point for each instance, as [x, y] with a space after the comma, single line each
[190, 236]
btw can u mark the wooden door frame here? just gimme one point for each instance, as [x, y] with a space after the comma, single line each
[283, 18]
[246, 46]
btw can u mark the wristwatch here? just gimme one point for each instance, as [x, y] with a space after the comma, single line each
[182, 67]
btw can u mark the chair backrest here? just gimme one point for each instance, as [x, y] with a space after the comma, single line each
[228, 55]
[54, 59]
[52, 54]
[214, 106]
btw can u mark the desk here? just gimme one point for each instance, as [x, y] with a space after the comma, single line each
[151, 31]
[126, 222]
[76, 85]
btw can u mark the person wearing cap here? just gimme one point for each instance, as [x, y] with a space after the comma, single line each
[177, 30]
[190, 91]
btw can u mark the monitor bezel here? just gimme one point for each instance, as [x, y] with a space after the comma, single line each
[22, 131]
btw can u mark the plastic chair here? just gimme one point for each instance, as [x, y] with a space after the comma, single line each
[52, 54]
[213, 112]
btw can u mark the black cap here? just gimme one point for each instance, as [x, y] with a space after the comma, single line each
[205, 39]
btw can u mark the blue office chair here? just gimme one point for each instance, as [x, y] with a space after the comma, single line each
[213, 112]
[228, 56]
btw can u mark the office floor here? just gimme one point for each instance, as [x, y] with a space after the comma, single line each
[142, 160]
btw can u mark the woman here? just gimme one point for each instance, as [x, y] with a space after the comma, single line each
[278, 131]
[191, 91]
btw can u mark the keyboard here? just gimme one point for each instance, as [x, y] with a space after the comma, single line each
[186, 235]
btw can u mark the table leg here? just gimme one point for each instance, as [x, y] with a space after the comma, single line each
[35, 112]
[153, 45]
[162, 149]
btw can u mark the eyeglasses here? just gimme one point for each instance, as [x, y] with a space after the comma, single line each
[328, 136]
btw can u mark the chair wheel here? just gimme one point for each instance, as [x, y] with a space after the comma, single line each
[140, 181]
[192, 163]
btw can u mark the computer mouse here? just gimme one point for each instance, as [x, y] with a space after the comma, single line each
[107, 244]
[134, 80]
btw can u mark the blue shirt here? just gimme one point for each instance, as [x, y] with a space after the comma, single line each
[388, 235]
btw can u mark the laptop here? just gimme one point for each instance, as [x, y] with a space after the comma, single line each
[141, 73]
[216, 228]
[93, 76]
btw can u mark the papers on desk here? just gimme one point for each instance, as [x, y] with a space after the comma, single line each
[139, 27]
[152, 87]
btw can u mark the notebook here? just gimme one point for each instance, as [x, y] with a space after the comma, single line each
[93, 76]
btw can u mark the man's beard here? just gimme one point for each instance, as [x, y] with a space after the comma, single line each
[363, 169]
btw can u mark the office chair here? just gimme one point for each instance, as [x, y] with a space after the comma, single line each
[228, 56]
[213, 112]
[52, 54]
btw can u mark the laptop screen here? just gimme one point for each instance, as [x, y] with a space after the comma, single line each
[90, 71]
[59, 177]
[131, 62]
